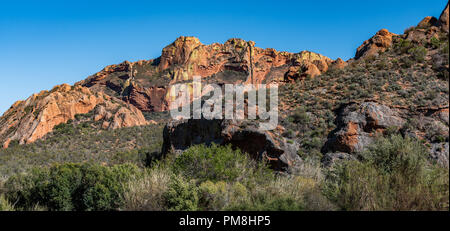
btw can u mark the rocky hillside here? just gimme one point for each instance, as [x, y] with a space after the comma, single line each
[146, 84]
[29, 120]
[396, 84]
[143, 86]
[329, 108]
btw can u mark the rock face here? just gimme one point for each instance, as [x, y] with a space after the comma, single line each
[29, 120]
[378, 43]
[429, 27]
[427, 22]
[357, 126]
[261, 145]
[147, 84]
[339, 64]
[444, 19]
[237, 55]
[426, 29]
[148, 99]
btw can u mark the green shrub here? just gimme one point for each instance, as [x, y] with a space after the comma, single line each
[435, 43]
[27, 190]
[403, 45]
[391, 130]
[215, 163]
[64, 128]
[181, 195]
[5, 205]
[300, 116]
[394, 175]
[409, 29]
[282, 193]
[146, 193]
[69, 187]
[221, 195]
[418, 53]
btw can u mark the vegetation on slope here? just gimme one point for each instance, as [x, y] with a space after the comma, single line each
[393, 175]
[404, 76]
[84, 142]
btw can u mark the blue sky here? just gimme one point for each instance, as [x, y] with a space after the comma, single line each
[45, 43]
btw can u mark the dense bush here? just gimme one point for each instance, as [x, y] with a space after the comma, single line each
[71, 187]
[252, 187]
[418, 53]
[181, 195]
[213, 163]
[5, 205]
[394, 175]
[146, 192]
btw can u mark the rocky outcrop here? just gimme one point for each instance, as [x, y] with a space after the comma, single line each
[429, 27]
[146, 84]
[339, 64]
[440, 153]
[151, 99]
[428, 22]
[307, 64]
[122, 71]
[358, 124]
[29, 120]
[115, 115]
[127, 117]
[444, 19]
[196, 59]
[425, 30]
[260, 145]
[378, 43]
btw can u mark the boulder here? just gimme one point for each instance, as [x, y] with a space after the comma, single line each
[439, 153]
[280, 153]
[306, 69]
[146, 84]
[378, 43]
[339, 64]
[357, 126]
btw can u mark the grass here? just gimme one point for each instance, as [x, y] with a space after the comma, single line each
[394, 175]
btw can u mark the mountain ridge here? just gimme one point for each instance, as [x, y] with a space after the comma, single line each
[144, 86]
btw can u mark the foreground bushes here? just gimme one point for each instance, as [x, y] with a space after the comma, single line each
[220, 178]
[5, 205]
[216, 163]
[146, 192]
[394, 175]
[71, 187]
